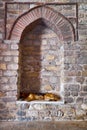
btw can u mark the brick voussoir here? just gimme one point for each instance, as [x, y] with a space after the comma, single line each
[46, 13]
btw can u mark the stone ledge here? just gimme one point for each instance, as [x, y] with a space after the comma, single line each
[40, 102]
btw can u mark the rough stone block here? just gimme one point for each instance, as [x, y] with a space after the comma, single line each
[4, 80]
[74, 93]
[1, 13]
[1, 36]
[48, 87]
[7, 58]
[85, 100]
[80, 114]
[1, 58]
[1, 4]
[68, 100]
[15, 59]
[9, 99]
[2, 94]
[51, 68]
[83, 58]
[84, 73]
[1, 74]
[79, 100]
[83, 94]
[13, 80]
[10, 73]
[68, 79]
[50, 57]
[2, 66]
[12, 66]
[84, 87]
[2, 105]
[67, 93]
[21, 113]
[80, 79]
[84, 106]
[72, 87]
[44, 42]
[14, 46]
[53, 79]
[10, 53]
[85, 67]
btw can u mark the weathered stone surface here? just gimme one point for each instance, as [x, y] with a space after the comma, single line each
[14, 46]
[2, 66]
[72, 73]
[10, 53]
[53, 79]
[85, 67]
[68, 79]
[21, 113]
[11, 93]
[68, 61]
[9, 99]
[51, 68]
[80, 80]
[84, 106]
[80, 114]
[7, 58]
[39, 106]
[3, 46]
[74, 93]
[12, 66]
[48, 87]
[32, 114]
[1, 4]
[84, 73]
[15, 59]
[1, 13]
[24, 106]
[13, 80]
[72, 87]
[84, 88]
[79, 100]
[1, 72]
[10, 73]
[2, 94]
[83, 58]
[67, 93]
[2, 105]
[50, 57]
[68, 99]
[85, 100]
[4, 80]
[83, 93]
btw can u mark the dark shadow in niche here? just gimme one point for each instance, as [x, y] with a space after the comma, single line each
[31, 57]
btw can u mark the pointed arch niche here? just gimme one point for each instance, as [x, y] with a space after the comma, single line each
[41, 32]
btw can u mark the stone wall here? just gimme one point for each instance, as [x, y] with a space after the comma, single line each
[14, 10]
[74, 80]
[75, 86]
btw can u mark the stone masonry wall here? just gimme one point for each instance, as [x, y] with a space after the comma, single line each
[14, 10]
[74, 81]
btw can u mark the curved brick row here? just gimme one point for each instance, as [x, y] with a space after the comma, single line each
[57, 22]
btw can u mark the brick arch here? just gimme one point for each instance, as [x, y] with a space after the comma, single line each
[61, 25]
